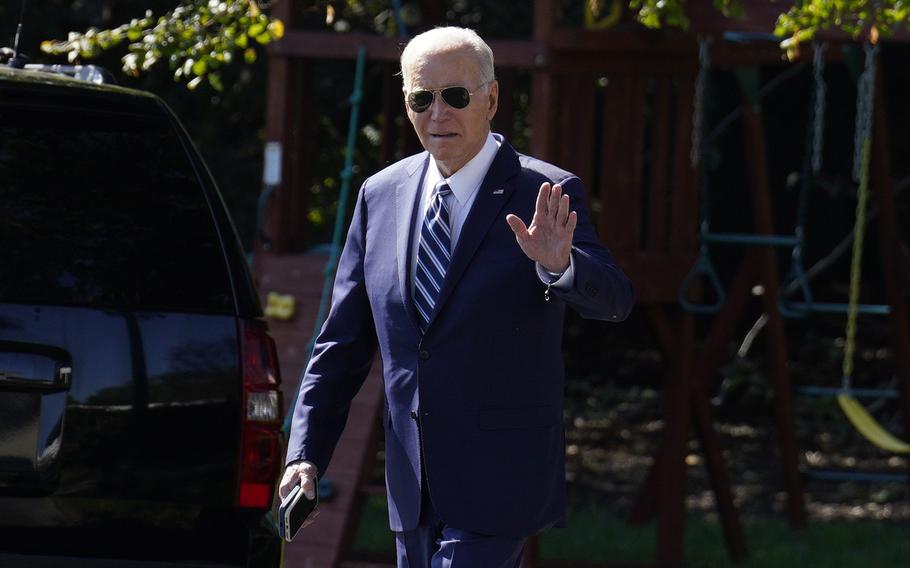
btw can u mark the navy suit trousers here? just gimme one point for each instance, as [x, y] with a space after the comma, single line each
[433, 544]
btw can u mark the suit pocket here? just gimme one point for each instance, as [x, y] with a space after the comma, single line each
[518, 418]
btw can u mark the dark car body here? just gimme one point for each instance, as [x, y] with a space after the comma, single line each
[139, 402]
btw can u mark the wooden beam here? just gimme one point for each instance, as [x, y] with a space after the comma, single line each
[673, 50]
[331, 45]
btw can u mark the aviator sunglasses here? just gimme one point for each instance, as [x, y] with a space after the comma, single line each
[456, 97]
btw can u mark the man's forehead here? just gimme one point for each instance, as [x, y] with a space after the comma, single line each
[449, 66]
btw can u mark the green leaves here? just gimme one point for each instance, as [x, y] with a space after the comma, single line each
[659, 13]
[197, 38]
[863, 19]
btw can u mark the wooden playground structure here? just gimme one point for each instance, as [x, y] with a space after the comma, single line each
[639, 168]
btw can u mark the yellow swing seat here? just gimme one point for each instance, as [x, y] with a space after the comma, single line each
[868, 427]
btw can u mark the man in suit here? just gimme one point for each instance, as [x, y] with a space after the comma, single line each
[458, 265]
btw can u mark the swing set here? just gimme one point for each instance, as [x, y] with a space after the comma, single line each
[703, 268]
[631, 95]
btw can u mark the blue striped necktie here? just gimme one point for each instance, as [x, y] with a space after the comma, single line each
[433, 254]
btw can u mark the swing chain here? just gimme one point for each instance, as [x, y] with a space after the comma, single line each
[864, 103]
[698, 118]
[818, 126]
[862, 157]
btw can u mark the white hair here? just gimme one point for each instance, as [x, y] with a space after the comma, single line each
[444, 39]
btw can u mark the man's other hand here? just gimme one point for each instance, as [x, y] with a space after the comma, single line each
[548, 241]
[301, 473]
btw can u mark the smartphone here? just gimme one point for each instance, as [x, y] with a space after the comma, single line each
[294, 510]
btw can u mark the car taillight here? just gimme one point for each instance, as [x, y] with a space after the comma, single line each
[260, 447]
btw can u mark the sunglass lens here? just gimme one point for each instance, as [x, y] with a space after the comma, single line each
[456, 97]
[420, 101]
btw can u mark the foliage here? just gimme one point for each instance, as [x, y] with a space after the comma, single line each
[866, 19]
[196, 39]
[199, 37]
[659, 13]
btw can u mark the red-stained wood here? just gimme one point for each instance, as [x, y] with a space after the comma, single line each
[646, 504]
[280, 103]
[620, 174]
[504, 121]
[543, 87]
[658, 192]
[777, 340]
[709, 358]
[671, 478]
[574, 149]
[903, 264]
[543, 97]
[684, 200]
[889, 248]
[330, 45]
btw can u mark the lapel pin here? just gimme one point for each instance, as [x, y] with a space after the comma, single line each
[498, 191]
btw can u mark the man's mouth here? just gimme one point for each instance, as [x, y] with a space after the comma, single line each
[443, 134]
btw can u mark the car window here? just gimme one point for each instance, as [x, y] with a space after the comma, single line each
[104, 210]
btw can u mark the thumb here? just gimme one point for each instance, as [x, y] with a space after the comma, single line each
[518, 227]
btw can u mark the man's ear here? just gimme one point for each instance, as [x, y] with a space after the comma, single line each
[492, 99]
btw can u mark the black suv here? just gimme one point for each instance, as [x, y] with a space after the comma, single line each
[140, 409]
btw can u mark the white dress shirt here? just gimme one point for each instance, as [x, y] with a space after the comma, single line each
[464, 185]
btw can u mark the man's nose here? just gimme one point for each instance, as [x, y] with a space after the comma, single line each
[439, 108]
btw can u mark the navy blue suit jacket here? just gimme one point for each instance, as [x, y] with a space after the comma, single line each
[485, 383]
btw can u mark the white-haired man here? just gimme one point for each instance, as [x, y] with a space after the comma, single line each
[465, 302]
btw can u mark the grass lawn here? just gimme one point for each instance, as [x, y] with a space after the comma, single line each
[596, 536]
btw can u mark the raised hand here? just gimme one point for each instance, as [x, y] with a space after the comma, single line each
[548, 241]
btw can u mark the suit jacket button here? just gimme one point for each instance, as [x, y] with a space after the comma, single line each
[591, 290]
[424, 354]
[414, 414]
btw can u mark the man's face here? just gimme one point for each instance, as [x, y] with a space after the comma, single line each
[453, 136]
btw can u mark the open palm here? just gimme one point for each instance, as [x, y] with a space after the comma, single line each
[548, 240]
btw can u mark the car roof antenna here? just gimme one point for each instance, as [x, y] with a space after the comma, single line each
[17, 61]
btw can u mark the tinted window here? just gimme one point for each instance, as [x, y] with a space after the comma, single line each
[104, 210]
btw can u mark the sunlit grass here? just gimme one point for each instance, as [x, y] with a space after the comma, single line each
[599, 536]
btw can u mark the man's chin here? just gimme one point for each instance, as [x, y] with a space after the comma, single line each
[445, 143]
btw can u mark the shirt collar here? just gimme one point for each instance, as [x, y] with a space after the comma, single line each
[466, 180]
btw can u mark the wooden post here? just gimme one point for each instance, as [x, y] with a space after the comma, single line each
[299, 157]
[280, 104]
[543, 89]
[546, 17]
[889, 243]
[777, 340]
[672, 475]
[722, 329]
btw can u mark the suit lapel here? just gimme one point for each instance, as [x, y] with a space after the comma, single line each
[492, 195]
[406, 194]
